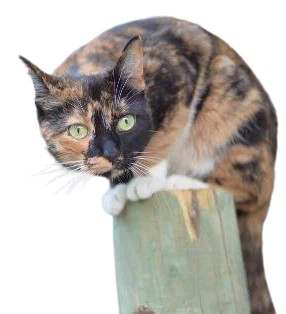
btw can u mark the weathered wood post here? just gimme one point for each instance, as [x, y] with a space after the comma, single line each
[179, 252]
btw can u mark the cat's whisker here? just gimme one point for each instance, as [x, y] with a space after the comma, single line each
[67, 173]
[132, 166]
[118, 95]
[70, 162]
[147, 162]
[131, 91]
[43, 172]
[134, 171]
[74, 95]
[85, 179]
[118, 84]
[63, 187]
[138, 92]
[142, 166]
[59, 165]
[114, 89]
[141, 170]
[147, 152]
[75, 162]
[148, 158]
[48, 166]
[74, 182]
[141, 173]
[122, 88]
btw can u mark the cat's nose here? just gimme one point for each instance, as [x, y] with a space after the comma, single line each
[110, 150]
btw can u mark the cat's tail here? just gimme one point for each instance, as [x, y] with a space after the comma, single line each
[250, 225]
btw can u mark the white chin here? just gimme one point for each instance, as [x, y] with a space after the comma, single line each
[116, 172]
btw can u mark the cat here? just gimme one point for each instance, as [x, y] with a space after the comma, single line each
[162, 103]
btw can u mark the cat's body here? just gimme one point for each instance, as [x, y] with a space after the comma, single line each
[202, 114]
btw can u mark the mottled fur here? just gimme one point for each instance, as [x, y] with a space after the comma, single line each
[199, 106]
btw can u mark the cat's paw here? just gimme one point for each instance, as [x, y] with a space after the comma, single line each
[144, 187]
[180, 182]
[114, 200]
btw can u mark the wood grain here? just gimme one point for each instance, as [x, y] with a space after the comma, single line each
[179, 252]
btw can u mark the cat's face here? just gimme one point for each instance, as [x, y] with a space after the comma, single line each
[99, 123]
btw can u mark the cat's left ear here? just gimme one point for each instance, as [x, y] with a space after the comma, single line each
[44, 84]
[130, 64]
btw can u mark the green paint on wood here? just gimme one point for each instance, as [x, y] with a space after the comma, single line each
[179, 253]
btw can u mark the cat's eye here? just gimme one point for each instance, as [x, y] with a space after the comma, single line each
[126, 123]
[78, 131]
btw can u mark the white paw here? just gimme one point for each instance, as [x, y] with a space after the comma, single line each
[114, 200]
[180, 182]
[144, 187]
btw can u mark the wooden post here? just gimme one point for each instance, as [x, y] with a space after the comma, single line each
[178, 253]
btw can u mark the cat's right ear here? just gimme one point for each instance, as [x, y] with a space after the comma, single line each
[44, 84]
[130, 65]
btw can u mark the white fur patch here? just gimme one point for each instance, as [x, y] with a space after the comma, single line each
[202, 168]
[144, 187]
[114, 200]
[179, 182]
[160, 170]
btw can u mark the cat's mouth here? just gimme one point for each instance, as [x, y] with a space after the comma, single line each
[102, 166]
[99, 165]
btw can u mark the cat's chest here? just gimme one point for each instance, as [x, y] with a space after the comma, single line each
[185, 159]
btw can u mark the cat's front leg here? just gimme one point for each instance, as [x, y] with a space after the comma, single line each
[141, 188]
[181, 182]
[114, 200]
[144, 187]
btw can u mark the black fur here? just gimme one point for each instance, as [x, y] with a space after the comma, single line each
[253, 131]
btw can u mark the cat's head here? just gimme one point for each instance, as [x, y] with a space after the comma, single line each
[98, 123]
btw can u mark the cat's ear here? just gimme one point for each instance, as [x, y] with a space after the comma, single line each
[44, 84]
[130, 64]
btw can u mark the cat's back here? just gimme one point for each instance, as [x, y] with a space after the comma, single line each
[164, 38]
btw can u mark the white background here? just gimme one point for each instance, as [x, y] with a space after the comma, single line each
[56, 252]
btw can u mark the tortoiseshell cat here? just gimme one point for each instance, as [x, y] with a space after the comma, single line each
[177, 108]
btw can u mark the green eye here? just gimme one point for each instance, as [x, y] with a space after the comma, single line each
[126, 123]
[78, 131]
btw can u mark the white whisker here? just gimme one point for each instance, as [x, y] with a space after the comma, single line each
[134, 171]
[147, 158]
[122, 88]
[67, 173]
[138, 92]
[66, 81]
[143, 167]
[117, 85]
[60, 189]
[59, 167]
